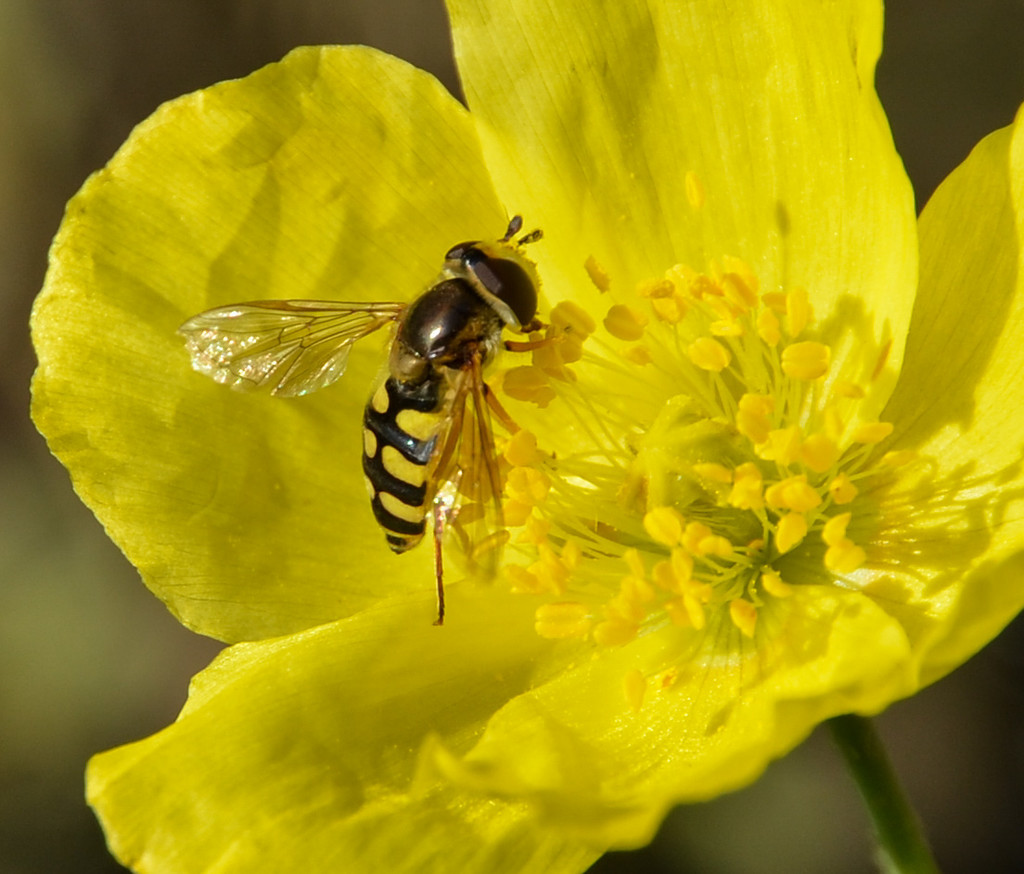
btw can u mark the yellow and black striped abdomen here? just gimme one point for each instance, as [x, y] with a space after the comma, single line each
[400, 426]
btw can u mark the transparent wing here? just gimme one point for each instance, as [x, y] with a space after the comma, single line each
[286, 347]
[470, 481]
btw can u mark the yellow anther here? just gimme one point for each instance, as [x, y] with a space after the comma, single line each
[686, 612]
[834, 531]
[634, 562]
[712, 470]
[664, 525]
[625, 322]
[782, 445]
[762, 404]
[634, 684]
[681, 563]
[791, 529]
[708, 354]
[639, 355]
[695, 194]
[752, 418]
[741, 269]
[798, 312]
[535, 531]
[842, 489]
[850, 390]
[669, 309]
[566, 348]
[521, 449]
[775, 301]
[874, 432]
[664, 577]
[693, 535]
[634, 592]
[738, 292]
[528, 383]
[768, 327]
[723, 308]
[528, 485]
[549, 570]
[656, 288]
[715, 544]
[548, 357]
[773, 584]
[522, 581]
[819, 452]
[515, 512]
[570, 317]
[562, 619]
[571, 555]
[681, 276]
[598, 275]
[793, 493]
[806, 361]
[703, 287]
[743, 615]
[883, 357]
[845, 557]
[614, 632]
[754, 426]
[748, 487]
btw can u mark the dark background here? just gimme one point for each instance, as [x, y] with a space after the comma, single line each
[89, 660]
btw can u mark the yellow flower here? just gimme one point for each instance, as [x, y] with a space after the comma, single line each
[776, 474]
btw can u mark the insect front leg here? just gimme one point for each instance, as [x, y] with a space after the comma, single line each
[499, 411]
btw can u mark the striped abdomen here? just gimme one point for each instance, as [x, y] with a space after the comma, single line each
[400, 428]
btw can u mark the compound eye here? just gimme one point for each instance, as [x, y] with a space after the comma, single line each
[458, 253]
[510, 283]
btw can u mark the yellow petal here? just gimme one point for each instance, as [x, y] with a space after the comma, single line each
[555, 85]
[247, 515]
[319, 740]
[960, 403]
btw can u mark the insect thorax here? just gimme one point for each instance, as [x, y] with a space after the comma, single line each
[444, 327]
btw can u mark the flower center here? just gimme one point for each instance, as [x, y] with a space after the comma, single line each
[714, 459]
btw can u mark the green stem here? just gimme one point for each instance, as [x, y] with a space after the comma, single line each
[897, 829]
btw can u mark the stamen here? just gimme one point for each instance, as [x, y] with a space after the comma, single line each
[798, 312]
[774, 585]
[708, 354]
[521, 449]
[743, 615]
[665, 525]
[705, 456]
[562, 619]
[807, 360]
[792, 528]
[625, 322]
[819, 452]
[875, 432]
[598, 275]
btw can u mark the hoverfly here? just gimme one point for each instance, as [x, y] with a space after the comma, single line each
[427, 439]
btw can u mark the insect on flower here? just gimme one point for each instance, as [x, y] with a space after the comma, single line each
[427, 437]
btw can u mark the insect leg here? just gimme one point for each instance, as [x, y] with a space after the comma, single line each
[440, 515]
[499, 411]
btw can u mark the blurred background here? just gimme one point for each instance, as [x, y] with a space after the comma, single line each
[89, 660]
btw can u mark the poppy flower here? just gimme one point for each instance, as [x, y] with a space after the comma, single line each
[767, 471]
